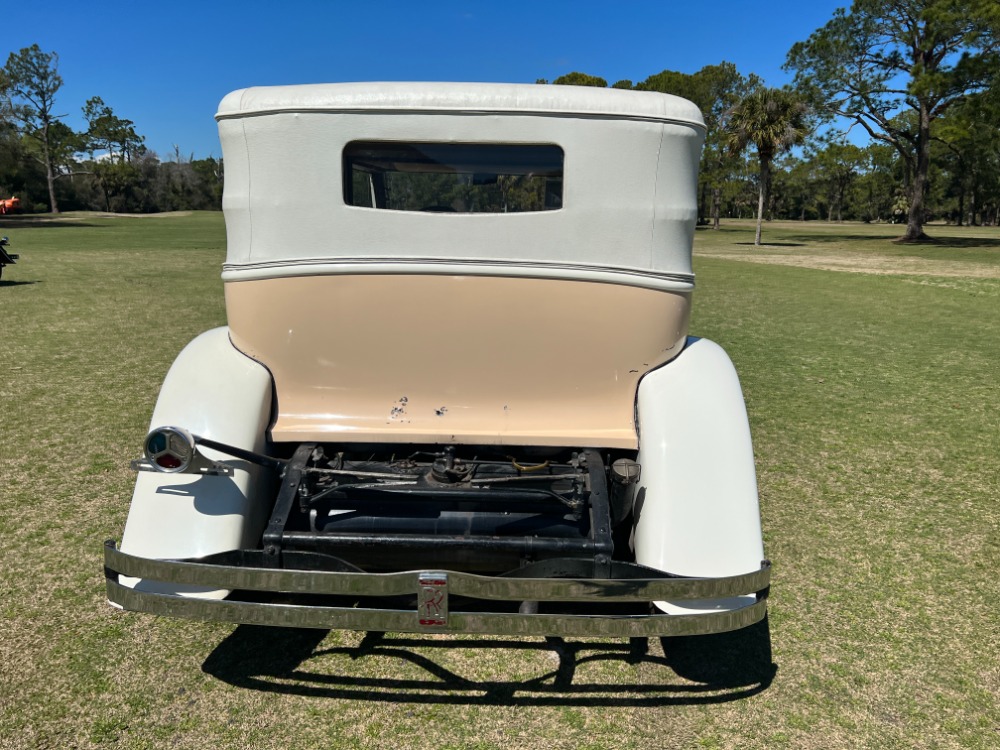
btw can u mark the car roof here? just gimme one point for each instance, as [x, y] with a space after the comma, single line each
[628, 207]
[462, 97]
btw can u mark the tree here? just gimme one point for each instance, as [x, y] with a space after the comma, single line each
[772, 120]
[9, 146]
[884, 57]
[969, 141]
[33, 80]
[106, 131]
[877, 185]
[4, 100]
[837, 164]
[115, 172]
[581, 79]
[795, 180]
[715, 89]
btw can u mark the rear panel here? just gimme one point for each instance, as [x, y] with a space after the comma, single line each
[456, 359]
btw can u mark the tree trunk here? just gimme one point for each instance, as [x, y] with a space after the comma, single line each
[915, 219]
[52, 189]
[765, 179]
[973, 193]
[49, 173]
[716, 206]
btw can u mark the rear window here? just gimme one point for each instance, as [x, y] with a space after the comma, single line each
[453, 177]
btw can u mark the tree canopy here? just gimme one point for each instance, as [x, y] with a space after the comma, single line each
[580, 79]
[919, 78]
[895, 67]
[716, 89]
[105, 167]
[772, 121]
[33, 79]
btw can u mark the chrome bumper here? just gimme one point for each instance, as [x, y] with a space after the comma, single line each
[432, 590]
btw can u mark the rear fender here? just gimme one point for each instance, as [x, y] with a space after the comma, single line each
[696, 508]
[215, 392]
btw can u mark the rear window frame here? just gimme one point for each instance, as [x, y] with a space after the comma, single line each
[542, 164]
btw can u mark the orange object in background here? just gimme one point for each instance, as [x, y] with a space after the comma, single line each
[9, 205]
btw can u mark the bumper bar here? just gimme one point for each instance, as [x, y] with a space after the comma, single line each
[432, 589]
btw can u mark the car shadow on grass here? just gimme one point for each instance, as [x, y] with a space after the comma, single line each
[935, 243]
[41, 223]
[765, 245]
[946, 242]
[713, 669]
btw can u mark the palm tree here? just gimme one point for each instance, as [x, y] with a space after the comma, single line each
[773, 120]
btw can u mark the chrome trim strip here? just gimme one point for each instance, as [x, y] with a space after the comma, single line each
[459, 584]
[350, 618]
[459, 110]
[279, 268]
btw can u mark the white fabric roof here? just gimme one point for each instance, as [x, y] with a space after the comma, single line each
[465, 97]
[629, 191]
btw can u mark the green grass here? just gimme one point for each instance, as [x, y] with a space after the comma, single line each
[872, 381]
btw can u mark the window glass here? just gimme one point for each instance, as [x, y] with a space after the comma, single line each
[453, 177]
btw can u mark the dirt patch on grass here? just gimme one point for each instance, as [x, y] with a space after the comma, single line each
[106, 215]
[871, 264]
[75, 216]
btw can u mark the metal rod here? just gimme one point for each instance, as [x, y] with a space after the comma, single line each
[528, 546]
[285, 500]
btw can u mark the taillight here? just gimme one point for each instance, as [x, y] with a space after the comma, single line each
[169, 449]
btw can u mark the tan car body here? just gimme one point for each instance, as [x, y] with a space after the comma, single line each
[513, 329]
[455, 359]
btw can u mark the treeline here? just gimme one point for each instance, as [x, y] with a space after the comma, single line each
[827, 177]
[919, 78]
[106, 167]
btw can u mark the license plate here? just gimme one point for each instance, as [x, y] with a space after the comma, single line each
[432, 600]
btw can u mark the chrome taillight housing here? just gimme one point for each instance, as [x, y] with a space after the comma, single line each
[169, 449]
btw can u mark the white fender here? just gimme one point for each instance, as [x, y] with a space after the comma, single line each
[696, 505]
[215, 392]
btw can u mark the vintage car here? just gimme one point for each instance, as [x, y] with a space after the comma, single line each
[456, 392]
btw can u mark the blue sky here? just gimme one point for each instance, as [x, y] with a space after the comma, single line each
[166, 65]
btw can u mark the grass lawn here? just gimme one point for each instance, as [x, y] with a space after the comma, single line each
[872, 377]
